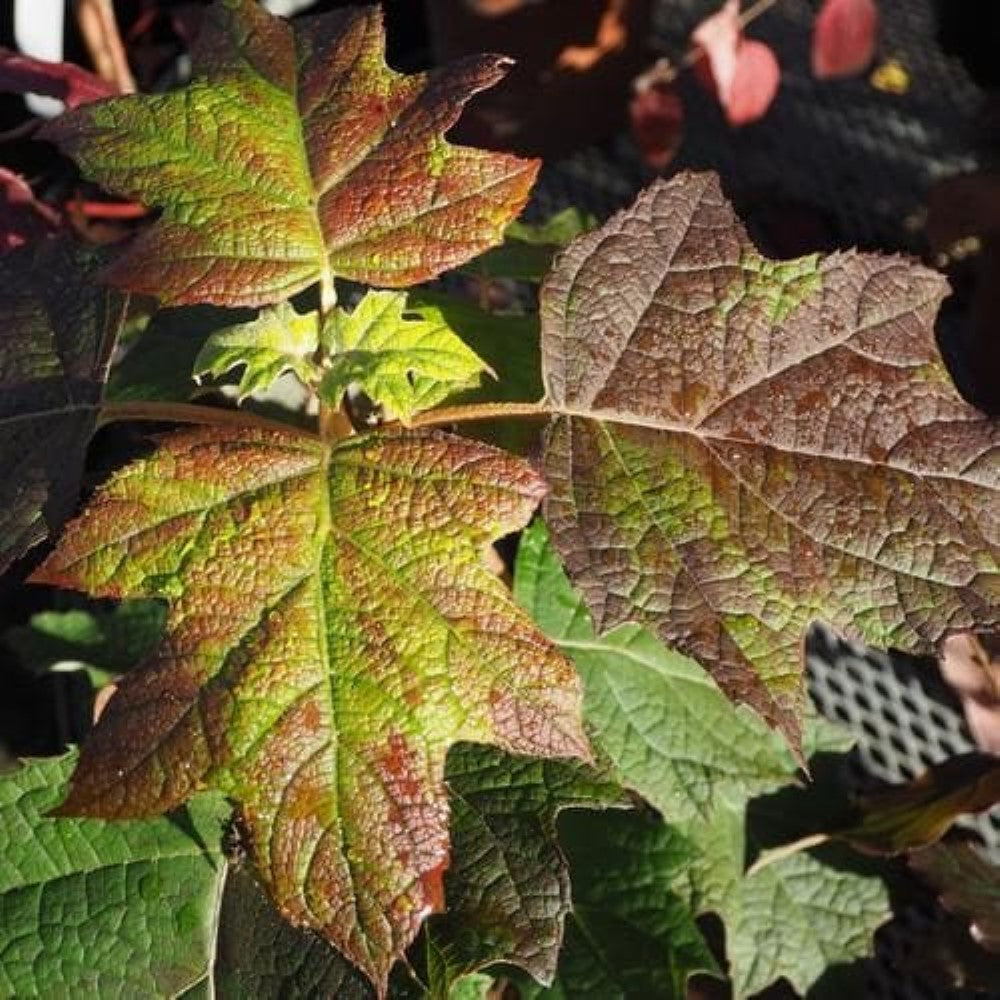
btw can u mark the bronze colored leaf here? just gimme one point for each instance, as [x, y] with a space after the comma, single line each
[746, 445]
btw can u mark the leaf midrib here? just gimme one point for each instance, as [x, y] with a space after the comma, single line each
[708, 441]
[653, 423]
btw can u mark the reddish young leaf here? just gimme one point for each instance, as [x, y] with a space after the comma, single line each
[332, 631]
[70, 84]
[743, 73]
[657, 116]
[295, 154]
[746, 445]
[844, 37]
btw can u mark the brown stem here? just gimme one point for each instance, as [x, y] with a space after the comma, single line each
[482, 411]
[190, 413]
[334, 422]
[96, 19]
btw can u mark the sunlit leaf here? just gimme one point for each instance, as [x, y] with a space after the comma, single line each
[332, 631]
[279, 340]
[405, 359]
[746, 445]
[293, 155]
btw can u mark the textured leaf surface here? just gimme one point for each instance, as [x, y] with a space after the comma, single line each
[58, 331]
[296, 153]
[747, 445]
[968, 884]
[279, 340]
[672, 735]
[332, 631]
[507, 890]
[260, 955]
[407, 359]
[629, 934]
[89, 908]
[794, 918]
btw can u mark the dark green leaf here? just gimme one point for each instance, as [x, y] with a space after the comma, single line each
[59, 331]
[507, 889]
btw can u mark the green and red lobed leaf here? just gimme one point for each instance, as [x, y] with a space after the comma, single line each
[295, 154]
[332, 631]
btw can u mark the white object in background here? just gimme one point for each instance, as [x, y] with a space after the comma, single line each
[286, 8]
[38, 32]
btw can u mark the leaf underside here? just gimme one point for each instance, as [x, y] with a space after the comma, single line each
[793, 919]
[293, 155]
[332, 631]
[747, 445]
[59, 329]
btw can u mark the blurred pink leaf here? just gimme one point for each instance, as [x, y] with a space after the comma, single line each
[743, 73]
[844, 37]
[656, 113]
